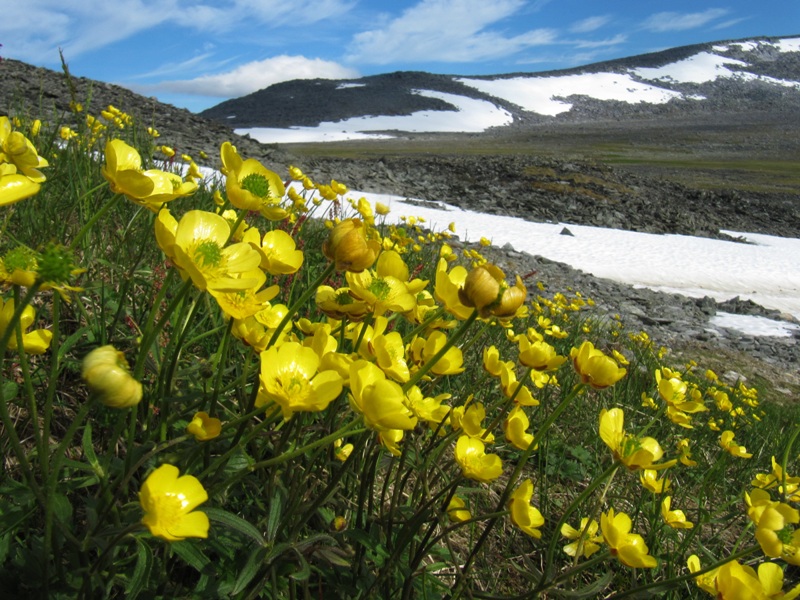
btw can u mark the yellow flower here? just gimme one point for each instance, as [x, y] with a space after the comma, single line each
[485, 288]
[203, 427]
[594, 367]
[390, 355]
[429, 409]
[633, 452]
[15, 186]
[241, 304]
[516, 428]
[587, 542]
[35, 342]
[674, 518]
[290, 378]
[381, 209]
[381, 402]
[685, 456]
[457, 510]
[423, 350]
[381, 294]
[776, 478]
[652, 483]
[279, 254]
[741, 582]
[774, 530]
[629, 548]
[151, 188]
[340, 304]
[352, 246]
[469, 419]
[342, 451]
[18, 150]
[539, 355]
[523, 515]
[474, 462]
[707, 581]
[199, 249]
[105, 371]
[734, 449]
[448, 286]
[169, 502]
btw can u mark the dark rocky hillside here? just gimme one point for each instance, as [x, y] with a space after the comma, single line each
[310, 102]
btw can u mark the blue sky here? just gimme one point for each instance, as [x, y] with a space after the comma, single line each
[197, 53]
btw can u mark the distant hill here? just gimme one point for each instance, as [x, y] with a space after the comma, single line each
[725, 76]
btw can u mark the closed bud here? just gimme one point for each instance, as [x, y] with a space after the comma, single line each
[106, 372]
[350, 246]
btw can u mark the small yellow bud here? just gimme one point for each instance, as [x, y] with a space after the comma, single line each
[105, 371]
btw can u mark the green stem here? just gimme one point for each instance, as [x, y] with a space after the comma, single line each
[344, 431]
[310, 291]
[95, 217]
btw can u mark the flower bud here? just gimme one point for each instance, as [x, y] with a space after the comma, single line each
[105, 371]
[486, 289]
[350, 247]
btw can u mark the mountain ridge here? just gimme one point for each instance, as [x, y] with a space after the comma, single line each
[756, 72]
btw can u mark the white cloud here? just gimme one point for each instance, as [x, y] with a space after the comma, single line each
[256, 75]
[589, 24]
[673, 21]
[447, 31]
[33, 31]
[620, 38]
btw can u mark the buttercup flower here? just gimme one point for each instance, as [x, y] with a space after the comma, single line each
[734, 449]
[485, 288]
[594, 367]
[105, 371]
[674, 518]
[169, 502]
[523, 515]
[351, 246]
[516, 428]
[151, 188]
[203, 427]
[199, 249]
[652, 483]
[251, 186]
[380, 401]
[457, 510]
[633, 452]
[474, 462]
[587, 542]
[279, 254]
[19, 151]
[290, 378]
[628, 547]
[34, 342]
[15, 186]
[539, 355]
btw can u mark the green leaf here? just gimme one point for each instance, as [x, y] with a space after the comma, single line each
[305, 569]
[590, 591]
[191, 555]
[62, 509]
[275, 514]
[88, 449]
[141, 573]
[10, 391]
[249, 570]
[236, 523]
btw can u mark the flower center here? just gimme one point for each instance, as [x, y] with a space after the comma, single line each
[208, 253]
[379, 288]
[256, 184]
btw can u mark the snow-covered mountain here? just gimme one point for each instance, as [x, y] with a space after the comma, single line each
[726, 76]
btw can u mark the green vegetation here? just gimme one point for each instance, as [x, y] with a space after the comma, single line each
[234, 389]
